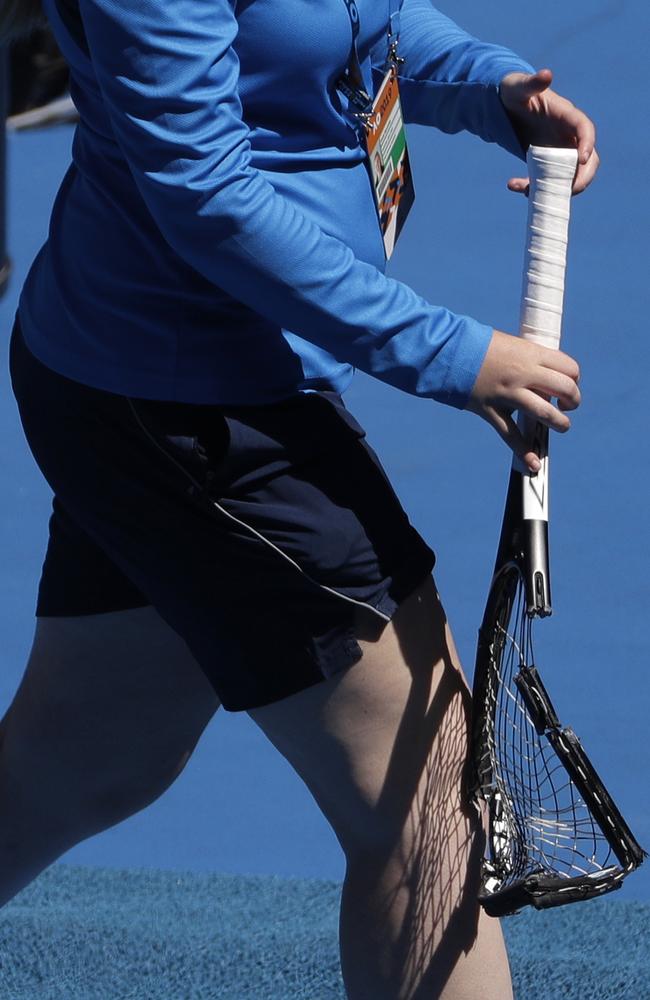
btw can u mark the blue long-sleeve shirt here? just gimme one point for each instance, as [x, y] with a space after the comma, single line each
[215, 238]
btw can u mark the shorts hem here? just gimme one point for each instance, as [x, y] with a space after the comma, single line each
[247, 702]
[406, 581]
[411, 576]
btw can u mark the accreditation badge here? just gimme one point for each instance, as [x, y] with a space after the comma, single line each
[389, 161]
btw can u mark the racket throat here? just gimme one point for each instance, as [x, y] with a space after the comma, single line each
[524, 541]
[534, 513]
[536, 569]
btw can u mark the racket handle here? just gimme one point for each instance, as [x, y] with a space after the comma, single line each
[551, 173]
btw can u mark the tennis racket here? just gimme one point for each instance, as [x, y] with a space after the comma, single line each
[554, 834]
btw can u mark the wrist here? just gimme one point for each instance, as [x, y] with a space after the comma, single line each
[505, 91]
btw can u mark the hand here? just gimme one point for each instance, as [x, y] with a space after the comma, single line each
[519, 375]
[541, 117]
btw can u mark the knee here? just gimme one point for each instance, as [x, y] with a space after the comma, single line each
[413, 819]
[427, 851]
[375, 839]
[77, 783]
[110, 788]
[68, 807]
[111, 798]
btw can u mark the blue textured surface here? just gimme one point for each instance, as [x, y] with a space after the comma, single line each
[93, 934]
[274, 224]
[449, 470]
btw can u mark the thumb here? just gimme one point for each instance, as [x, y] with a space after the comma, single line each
[535, 83]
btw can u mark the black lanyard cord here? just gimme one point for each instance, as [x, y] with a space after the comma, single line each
[351, 82]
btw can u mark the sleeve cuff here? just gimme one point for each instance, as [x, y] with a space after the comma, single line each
[499, 124]
[462, 358]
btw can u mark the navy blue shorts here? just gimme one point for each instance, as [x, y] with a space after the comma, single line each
[257, 532]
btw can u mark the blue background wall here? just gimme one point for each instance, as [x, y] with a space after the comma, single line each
[449, 468]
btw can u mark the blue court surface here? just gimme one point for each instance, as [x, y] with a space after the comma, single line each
[238, 810]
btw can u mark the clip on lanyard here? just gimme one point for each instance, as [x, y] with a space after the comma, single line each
[351, 82]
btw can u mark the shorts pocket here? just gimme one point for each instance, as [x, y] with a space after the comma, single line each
[194, 436]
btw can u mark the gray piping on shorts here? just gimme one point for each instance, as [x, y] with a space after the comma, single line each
[250, 528]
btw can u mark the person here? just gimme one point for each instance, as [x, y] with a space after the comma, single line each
[38, 83]
[222, 533]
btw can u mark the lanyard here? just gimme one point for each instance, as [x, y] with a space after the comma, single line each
[393, 31]
[351, 82]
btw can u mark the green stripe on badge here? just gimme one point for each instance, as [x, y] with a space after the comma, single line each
[398, 146]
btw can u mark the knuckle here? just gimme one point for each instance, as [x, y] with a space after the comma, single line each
[571, 369]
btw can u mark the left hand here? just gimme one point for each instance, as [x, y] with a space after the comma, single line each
[541, 117]
[519, 375]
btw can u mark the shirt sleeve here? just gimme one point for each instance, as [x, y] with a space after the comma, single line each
[449, 78]
[169, 74]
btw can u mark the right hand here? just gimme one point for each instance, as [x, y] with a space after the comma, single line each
[519, 375]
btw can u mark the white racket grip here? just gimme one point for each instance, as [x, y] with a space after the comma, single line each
[551, 172]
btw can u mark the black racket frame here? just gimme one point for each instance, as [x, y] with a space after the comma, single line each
[522, 555]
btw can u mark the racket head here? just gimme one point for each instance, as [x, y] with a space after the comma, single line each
[554, 835]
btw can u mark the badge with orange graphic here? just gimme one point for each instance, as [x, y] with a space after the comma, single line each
[389, 162]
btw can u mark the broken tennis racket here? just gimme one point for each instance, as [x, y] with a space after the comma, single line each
[554, 834]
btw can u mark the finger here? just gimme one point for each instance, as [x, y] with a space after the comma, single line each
[535, 406]
[586, 173]
[585, 137]
[520, 185]
[507, 429]
[537, 83]
[558, 386]
[558, 361]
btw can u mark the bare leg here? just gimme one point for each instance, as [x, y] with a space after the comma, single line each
[107, 715]
[383, 749]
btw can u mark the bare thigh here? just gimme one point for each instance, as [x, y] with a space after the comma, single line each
[383, 748]
[107, 714]
[370, 742]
